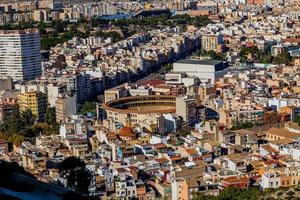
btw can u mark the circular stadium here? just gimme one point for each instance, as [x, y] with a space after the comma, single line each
[142, 104]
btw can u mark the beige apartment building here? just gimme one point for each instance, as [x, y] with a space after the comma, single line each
[65, 106]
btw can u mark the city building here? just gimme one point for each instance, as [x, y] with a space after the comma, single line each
[185, 107]
[211, 42]
[205, 70]
[7, 108]
[34, 101]
[65, 106]
[20, 56]
[6, 83]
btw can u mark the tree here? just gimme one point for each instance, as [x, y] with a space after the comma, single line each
[266, 59]
[231, 193]
[241, 125]
[12, 123]
[112, 34]
[60, 62]
[166, 68]
[71, 163]
[7, 172]
[283, 58]
[184, 131]
[47, 129]
[297, 119]
[88, 107]
[28, 117]
[50, 117]
[79, 178]
[13, 138]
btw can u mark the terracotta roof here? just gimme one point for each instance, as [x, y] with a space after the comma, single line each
[191, 151]
[126, 132]
[269, 149]
[236, 179]
[292, 40]
[174, 158]
[270, 162]
[250, 44]
[152, 82]
[133, 168]
[206, 156]
[162, 160]
[160, 146]
[163, 86]
[284, 141]
[121, 170]
[282, 132]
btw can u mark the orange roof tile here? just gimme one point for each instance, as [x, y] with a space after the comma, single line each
[270, 149]
[160, 146]
[162, 160]
[174, 158]
[236, 179]
[191, 151]
[282, 132]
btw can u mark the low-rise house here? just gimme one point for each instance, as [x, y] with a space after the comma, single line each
[241, 182]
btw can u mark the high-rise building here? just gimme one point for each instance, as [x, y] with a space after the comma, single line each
[20, 56]
[34, 101]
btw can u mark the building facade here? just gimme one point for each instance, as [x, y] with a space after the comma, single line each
[185, 107]
[20, 56]
[34, 101]
[65, 106]
[211, 42]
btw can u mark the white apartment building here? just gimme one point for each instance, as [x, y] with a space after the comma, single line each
[20, 56]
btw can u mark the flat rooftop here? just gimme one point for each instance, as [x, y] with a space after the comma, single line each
[199, 62]
[18, 32]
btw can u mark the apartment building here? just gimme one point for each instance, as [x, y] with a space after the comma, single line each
[185, 107]
[20, 56]
[65, 106]
[211, 42]
[34, 101]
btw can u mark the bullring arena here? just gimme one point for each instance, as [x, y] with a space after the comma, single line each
[119, 109]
